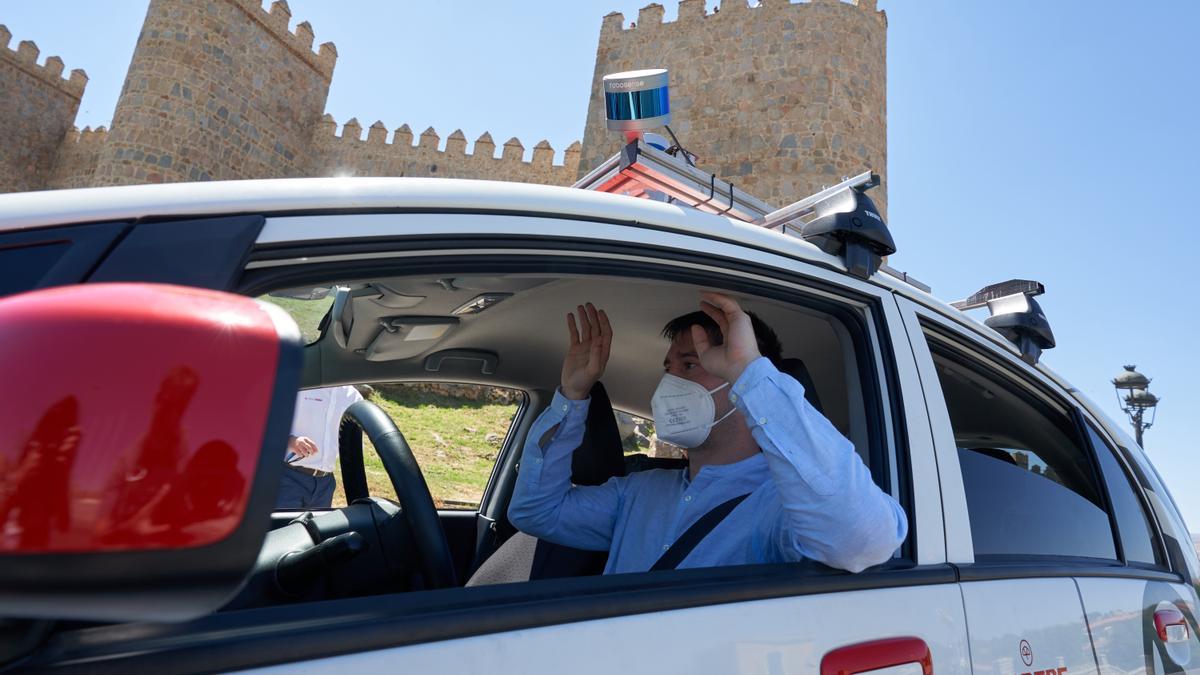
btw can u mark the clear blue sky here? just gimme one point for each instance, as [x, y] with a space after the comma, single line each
[1048, 140]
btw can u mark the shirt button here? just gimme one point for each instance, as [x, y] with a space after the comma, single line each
[687, 498]
[666, 546]
[762, 420]
[537, 460]
[733, 397]
[564, 407]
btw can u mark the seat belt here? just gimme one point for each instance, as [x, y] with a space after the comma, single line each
[695, 534]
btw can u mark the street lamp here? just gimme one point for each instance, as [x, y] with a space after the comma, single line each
[1137, 400]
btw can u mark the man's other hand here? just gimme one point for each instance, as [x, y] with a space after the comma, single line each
[587, 353]
[739, 348]
[303, 446]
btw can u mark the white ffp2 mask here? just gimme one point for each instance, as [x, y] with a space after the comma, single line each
[684, 410]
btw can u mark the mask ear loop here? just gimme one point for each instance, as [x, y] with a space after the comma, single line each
[732, 408]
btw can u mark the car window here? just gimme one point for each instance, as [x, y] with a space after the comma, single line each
[1133, 527]
[1029, 482]
[455, 431]
[638, 437]
[307, 306]
[26, 266]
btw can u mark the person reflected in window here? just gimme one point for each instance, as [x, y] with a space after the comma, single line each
[796, 486]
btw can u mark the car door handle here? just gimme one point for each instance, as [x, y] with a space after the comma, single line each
[876, 654]
[1171, 626]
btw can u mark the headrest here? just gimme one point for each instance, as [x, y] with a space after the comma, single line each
[798, 371]
[600, 456]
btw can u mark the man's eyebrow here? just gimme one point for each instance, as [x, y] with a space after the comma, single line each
[682, 355]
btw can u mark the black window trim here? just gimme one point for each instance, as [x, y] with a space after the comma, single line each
[1133, 479]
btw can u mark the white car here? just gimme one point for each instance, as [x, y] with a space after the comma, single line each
[1041, 540]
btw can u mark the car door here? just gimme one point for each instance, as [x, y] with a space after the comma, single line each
[854, 618]
[1025, 511]
[751, 619]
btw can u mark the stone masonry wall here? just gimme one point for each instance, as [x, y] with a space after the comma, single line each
[217, 89]
[350, 155]
[37, 107]
[77, 158]
[780, 99]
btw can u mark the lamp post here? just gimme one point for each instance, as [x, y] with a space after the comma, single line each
[1137, 400]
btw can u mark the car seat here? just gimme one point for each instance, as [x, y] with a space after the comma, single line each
[525, 558]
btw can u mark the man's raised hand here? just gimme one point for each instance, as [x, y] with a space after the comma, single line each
[587, 353]
[739, 348]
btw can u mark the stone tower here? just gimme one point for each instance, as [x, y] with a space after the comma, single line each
[781, 99]
[217, 91]
[37, 107]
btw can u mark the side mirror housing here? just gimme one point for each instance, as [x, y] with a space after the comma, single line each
[142, 432]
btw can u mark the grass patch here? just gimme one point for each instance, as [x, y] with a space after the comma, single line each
[455, 441]
[307, 313]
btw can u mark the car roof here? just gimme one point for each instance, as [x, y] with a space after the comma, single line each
[308, 195]
[30, 210]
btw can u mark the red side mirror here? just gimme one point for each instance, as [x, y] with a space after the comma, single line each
[141, 434]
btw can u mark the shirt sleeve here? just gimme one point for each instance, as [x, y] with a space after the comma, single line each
[545, 504]
[832, 510]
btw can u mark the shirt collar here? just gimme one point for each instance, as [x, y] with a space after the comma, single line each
[712, 473]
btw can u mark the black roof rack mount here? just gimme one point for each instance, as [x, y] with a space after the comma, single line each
[1015, 315]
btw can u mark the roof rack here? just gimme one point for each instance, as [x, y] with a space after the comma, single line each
[640, 169]
[842, 219]
[808, 206]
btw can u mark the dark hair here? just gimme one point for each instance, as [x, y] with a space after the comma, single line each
[768, 342]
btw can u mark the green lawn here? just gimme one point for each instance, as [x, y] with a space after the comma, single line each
[454, 439]
[307, 313]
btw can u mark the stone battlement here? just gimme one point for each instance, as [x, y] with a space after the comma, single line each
[429, 142]
[651, 16]
[25, 58]
[348, 153]
[300, 42]
[780, 99]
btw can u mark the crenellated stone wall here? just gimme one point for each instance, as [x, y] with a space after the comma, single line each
[37, 107]
[78, 156]
[350, 155]
[781, 99]
[217, 90]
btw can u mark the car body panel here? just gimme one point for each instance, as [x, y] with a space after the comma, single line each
[1027, 625]
[784, 635]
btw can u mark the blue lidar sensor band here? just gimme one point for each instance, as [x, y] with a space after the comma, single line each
[637, 105]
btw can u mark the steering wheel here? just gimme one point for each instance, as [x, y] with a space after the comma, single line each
[416, 503]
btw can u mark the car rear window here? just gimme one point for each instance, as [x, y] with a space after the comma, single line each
[1030, 483]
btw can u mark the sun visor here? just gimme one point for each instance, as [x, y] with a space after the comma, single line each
[404, 337]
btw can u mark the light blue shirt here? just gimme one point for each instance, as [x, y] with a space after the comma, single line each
[811, 496]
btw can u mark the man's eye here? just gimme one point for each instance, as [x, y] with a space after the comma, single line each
[688, 366]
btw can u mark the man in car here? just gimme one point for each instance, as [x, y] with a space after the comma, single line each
[751, 436]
